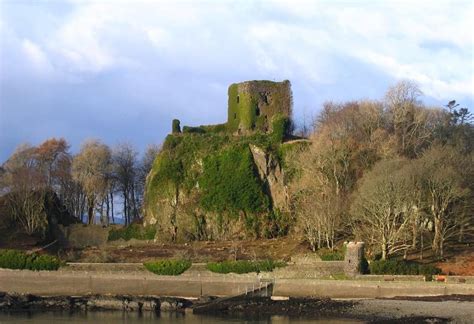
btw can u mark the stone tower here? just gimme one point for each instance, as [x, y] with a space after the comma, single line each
[252, 105]
[353, 258]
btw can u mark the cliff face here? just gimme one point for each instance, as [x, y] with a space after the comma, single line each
[272, 175]
[217, 187]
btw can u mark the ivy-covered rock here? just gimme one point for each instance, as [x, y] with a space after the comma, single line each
[217, 186]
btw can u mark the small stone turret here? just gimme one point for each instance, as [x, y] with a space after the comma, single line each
[253, 104]
[353, 258]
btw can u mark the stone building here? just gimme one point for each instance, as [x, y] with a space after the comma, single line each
[252, 105]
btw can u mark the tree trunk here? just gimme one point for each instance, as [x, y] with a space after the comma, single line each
[421, 245]
[384, 250]
[90, 211]
[108, 210]
[134, 205]
[415, 232]
[437, 239]
[112, 206]
[102, 212]
[125, 216]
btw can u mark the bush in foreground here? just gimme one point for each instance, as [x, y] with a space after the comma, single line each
[168, 267]
[133, 231]
[13, 259]
[244, 266]
[397, 267]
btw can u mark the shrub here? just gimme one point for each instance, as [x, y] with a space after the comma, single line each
[332, 255]
[397, 267]
[193, 130]
[280, 128]
[168, 267]
[244, 266]
[133, 231]
[43, 262]
[12, 259]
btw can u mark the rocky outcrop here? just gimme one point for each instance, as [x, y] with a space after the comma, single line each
[272, 175]
[177, 192]
[15, 302]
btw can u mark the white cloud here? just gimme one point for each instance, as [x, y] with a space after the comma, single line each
[78, 41]
[158, 37]
[37, 58]
[431, 43]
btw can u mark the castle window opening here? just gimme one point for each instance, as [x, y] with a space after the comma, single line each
[238, 98]
[235, 115]
[257, 111]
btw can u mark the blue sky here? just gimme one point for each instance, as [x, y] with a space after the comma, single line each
[122, 70]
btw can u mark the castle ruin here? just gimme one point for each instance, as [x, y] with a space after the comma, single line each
[252, 105]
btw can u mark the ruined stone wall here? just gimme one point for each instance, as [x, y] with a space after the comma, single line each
[252, 104]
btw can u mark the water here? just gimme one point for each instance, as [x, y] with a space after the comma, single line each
[104, 317]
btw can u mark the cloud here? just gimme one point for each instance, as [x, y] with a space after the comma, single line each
[36, 57]
[155, 60]
[271, 37]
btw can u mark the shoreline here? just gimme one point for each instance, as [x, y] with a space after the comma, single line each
[457, 309]
[249, 295]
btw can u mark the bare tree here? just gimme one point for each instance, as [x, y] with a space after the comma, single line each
[125, 169]
[407, 117]
[22, 183]
[447, 193]
[51, 156]
[27, 207]
[91, 168]
[317, 197]
[382, 208]
[70, 191]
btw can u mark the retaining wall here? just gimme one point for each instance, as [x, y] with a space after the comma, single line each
[365, 289]
[316, 270]
[79, 283]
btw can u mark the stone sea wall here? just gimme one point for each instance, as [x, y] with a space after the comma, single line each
[85, 283]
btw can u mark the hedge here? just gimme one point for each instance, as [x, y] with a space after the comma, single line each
[13, 259]
[400, 267]
[244, 266]
[168, 267]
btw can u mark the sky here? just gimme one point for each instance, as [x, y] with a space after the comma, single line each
[121, 70]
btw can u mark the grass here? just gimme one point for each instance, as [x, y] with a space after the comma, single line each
[168, 267]
[13, 259]
[337, 276]
[334, 255]
[244, 266]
